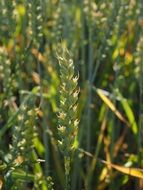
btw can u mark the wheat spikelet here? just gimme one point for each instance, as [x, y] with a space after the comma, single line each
[67, 117]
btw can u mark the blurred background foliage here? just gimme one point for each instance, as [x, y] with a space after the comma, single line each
[105, 40]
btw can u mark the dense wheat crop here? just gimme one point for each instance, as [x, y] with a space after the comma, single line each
[71, 94]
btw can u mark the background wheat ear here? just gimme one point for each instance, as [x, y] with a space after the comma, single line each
[67, 116]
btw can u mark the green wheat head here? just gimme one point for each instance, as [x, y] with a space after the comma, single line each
[24, 133]
[67, 117]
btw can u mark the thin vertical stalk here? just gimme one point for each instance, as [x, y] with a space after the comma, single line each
[44, 124]
[90, 68]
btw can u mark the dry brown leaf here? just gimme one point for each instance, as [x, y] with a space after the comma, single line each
[135, 172]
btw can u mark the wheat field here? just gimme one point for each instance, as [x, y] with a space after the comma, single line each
[71, 95]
